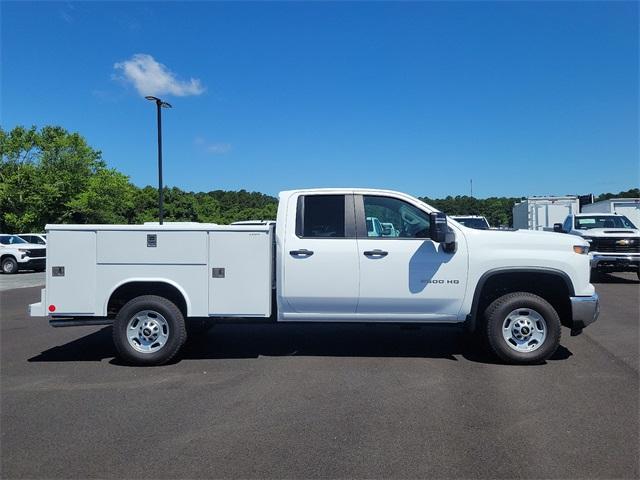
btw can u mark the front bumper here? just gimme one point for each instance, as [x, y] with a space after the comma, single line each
[584, 311]
[615, 262]
[33, 264]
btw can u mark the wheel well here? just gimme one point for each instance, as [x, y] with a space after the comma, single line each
[8, 255]
[553, 287]
[131, 290]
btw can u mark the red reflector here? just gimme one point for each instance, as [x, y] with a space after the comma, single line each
[52, 308]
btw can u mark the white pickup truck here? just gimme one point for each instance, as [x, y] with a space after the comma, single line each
[320, 263]
[614, 242]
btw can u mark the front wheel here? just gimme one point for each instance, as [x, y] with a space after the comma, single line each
[149, 330]
[9, 265]
[522, 328]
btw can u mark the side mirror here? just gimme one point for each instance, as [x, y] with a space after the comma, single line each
[438, 227]
[557, 227]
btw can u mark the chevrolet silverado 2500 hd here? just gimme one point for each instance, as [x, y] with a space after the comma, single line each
[614, 242]
[320, 263]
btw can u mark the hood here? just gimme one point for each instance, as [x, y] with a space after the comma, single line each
[608, 232]
[533, 238]
[30, 246]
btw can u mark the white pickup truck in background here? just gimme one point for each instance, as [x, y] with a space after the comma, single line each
[18, 254]
[614, 241]
[320, 263]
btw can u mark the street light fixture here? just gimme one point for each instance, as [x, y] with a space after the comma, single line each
[159, 105]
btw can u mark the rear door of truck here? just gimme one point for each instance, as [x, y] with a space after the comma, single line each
[321, 268]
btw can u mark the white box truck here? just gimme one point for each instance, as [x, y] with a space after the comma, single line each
[541, 213]
[319, 263]
[629, 207]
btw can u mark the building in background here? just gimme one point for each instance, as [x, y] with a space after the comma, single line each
[629, 207]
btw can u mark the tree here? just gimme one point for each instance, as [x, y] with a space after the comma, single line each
[108, 198]
[631, 193]
[52, 176]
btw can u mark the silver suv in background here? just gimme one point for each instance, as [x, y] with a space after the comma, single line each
[614, 241]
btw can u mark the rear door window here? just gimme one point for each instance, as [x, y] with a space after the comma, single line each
[323, 216]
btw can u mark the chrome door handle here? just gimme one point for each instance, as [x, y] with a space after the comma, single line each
[375, 253]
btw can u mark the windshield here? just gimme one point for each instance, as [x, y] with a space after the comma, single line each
[603, 221]
[477, 223]
[11, 240]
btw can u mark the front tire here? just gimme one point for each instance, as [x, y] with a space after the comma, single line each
[522, 328]
[9, 265]
[149, 330]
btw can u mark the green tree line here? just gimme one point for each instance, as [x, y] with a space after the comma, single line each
[50, 175]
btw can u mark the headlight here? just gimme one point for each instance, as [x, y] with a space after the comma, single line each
[588, 239]
[581, 249]
[23, 249]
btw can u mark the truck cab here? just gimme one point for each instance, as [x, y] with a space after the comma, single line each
[333, 255]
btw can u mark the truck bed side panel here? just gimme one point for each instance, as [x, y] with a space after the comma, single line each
[190, 280]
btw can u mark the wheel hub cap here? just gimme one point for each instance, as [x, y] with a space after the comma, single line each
[524, 330]
[147, 331]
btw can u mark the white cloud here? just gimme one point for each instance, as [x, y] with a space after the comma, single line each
[213, 148]
[150, 77]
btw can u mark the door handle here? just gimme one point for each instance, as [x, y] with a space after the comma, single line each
[301, 253]
[375, 253]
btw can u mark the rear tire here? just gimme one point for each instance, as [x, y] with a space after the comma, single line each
[149, 330]
[9, 265]
[522, 328]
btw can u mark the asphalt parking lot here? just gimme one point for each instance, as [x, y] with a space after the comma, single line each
[21, 279]
[318, 401]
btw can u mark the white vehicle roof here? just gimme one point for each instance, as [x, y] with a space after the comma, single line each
[467, 216]
[362, 191]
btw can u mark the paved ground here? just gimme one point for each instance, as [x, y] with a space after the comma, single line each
[21, 280]
[320, 401]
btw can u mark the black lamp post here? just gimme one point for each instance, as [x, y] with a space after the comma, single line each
[159, 105]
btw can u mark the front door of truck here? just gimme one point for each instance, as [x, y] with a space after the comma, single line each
[320, 257]
[403, 273]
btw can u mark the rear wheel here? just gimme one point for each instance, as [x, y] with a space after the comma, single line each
[522, 328]
[149, 330]
[9, 265]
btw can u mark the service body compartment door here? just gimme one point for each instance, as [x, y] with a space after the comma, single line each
[71, 271]
[240, 273]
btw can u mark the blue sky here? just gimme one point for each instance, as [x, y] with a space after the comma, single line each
[525, 98]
